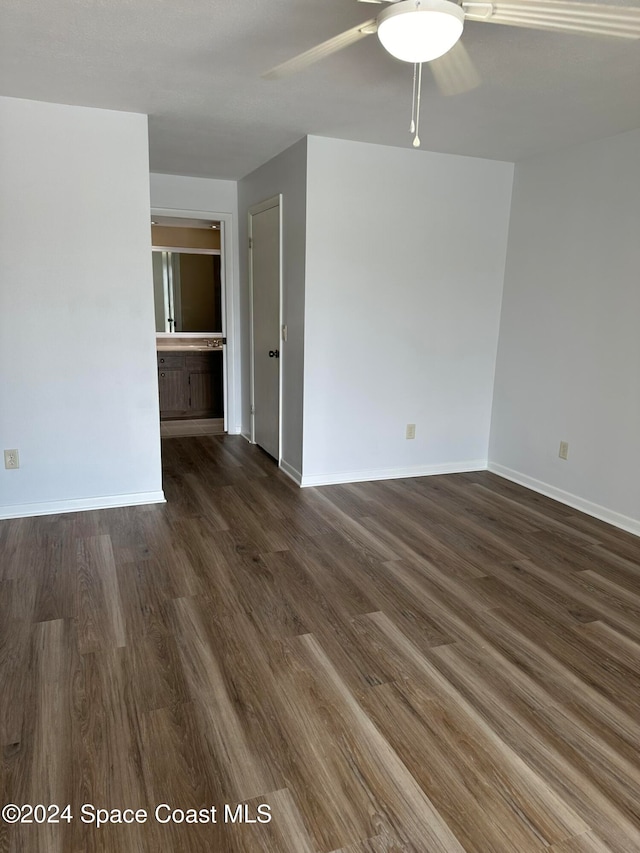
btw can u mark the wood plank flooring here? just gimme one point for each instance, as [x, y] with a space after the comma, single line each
[436, 665]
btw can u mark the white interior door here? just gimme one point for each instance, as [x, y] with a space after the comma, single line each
[264, 233]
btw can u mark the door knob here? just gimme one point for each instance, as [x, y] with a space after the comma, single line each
[274, 353]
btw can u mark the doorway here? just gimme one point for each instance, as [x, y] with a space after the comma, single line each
[189, 298]
[265, 274]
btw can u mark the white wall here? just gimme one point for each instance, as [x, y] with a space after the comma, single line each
[183, 193]
[211, 196]
[405, 266]
[569, 354]
[284, 174]
[78, 380]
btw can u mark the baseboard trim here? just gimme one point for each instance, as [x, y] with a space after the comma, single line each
[81, 505]
[291, 472]
[624, 522]
[393, 473]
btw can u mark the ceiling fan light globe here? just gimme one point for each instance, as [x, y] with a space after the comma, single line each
[420, 30]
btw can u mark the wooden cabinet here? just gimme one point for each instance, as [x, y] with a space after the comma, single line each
[204, 395]
[174, 393]
[190, 385]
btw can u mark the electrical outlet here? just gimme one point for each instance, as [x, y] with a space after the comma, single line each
[564, 450]
[11, 459]
[411, 431]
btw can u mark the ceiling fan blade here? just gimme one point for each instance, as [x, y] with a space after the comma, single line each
[588, 18]
[321, 50]
[454, 72]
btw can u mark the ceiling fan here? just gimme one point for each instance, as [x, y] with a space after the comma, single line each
[419, 31]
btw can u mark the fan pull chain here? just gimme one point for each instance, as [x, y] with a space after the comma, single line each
[416, 138]
[412, 126]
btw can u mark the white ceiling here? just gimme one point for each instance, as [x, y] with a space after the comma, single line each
[194, 66]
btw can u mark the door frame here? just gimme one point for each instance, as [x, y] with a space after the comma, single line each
[231, 397]
[267, 204]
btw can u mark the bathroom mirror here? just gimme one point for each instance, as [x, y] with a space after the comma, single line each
[187, 292]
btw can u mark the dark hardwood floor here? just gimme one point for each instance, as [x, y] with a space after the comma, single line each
[438, 665]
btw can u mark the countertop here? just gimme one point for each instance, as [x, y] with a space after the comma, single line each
[188, 348]
[177, 344]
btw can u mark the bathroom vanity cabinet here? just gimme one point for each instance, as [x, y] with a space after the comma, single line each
[190, 385]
